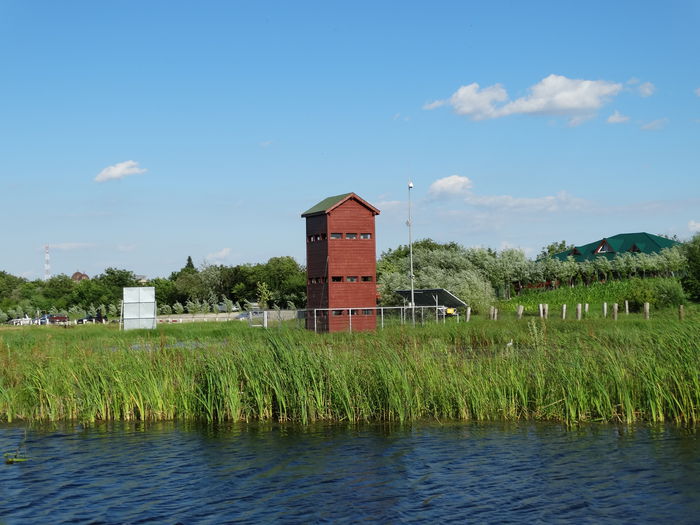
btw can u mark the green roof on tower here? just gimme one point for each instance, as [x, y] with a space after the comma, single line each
[327, 204]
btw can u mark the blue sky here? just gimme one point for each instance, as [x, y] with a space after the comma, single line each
[134, 134]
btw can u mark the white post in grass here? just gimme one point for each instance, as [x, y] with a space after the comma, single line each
[615, 309]
[627, 307]
[578, 312]
[469, 313]
[646, 310]
[605, 310]
[520, 311]
[563, 311]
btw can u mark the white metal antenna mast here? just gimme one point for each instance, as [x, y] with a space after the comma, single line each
[47, 263]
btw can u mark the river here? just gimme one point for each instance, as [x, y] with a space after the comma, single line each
[419, 473]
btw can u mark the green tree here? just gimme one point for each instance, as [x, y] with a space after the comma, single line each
[264, 295]
[554, 248]
[691, 279]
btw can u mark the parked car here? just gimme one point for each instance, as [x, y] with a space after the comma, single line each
[92, 319]
[20, 321]
[52, 319]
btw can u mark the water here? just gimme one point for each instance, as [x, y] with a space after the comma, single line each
[427, 473]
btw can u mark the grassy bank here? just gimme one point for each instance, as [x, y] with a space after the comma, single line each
[594, 370]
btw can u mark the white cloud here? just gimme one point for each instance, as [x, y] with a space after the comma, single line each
[553, 95]
[265, 144]
[655, 125]
[617, 118]
[478, 104]
[119, 171]
[647, 89]
[126, 247]
[694, 226]
[697, 91]
[218, 256]
[450, 186]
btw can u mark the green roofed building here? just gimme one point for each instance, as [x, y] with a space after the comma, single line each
[616, 245]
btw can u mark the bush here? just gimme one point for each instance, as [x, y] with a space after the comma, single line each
[659, 293]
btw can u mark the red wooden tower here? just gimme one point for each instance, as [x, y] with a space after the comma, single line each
[341, 264]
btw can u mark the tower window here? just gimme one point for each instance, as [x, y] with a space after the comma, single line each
[365, 236]
[336, 235]
[351, 236]
[367, 279]
[337, 279]
[351, 279]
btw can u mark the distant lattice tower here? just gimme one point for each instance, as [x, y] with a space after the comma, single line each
[47, 263]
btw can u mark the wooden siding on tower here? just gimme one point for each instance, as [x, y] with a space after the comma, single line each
[342, 258]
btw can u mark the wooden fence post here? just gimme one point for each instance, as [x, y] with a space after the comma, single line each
[646, 310]
[578, 312]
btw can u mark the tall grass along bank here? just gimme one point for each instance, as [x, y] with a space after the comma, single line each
[547, 370]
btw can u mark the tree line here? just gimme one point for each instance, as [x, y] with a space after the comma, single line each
[477, 275]
[279, 282]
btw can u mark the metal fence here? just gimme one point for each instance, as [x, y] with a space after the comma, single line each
[362, 319]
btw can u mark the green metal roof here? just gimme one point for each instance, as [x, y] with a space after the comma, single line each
[641, 242]
[325, 204]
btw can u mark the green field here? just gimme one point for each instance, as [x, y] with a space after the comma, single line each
[570, 371]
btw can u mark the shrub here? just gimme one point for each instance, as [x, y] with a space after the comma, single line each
[659, 293]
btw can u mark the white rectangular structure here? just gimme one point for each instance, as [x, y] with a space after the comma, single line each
[139, 308]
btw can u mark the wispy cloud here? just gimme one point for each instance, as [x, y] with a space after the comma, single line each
[119, 171]
[549, 203]
[460, 186]
[694, 226]
[68, 246]
[647, 89]
[617, 118]
[265, 144]
[126, 247]
[697, 91]
[556, 95]
[655, 125]
[218, 257]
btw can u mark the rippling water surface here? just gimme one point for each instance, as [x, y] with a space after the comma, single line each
[176, 473]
